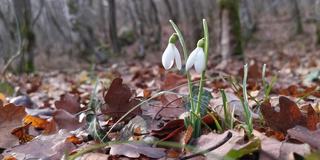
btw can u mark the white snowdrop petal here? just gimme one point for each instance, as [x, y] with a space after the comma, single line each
[191, 59]
[168, 56]
[177, 57]
[200, 62]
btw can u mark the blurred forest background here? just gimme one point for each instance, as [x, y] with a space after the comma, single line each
[63, 34]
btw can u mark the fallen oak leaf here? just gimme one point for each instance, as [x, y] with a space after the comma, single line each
[119, 100]
[70, 103]
[289, 116]
[304, 135]
[65, 120]
[10, 118]
[133, 150]
[43, 147]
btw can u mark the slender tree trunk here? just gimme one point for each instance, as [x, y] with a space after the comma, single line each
[230, 35]
[113, 26]
[297, 17]
[138, 7]
[173, 11]
[24, 19]
[157, 24]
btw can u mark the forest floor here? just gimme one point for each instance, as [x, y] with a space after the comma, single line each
[74, 114]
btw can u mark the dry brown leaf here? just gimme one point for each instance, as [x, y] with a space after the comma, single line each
[10, 118]
[119, 100]
[133, 150]
[173, 80]
[36, 122]
[289, 116]
[43, 146]
[70, 103]
[94, 156]
[280, 150]
[65, 120]
[73, 139]
[304, 135]
[187, 135]
[22, 133]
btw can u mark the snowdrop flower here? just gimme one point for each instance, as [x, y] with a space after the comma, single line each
[171, 54]
[197, 58]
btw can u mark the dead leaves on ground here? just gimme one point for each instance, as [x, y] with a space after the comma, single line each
[133, 150]
[10, 118]
[119, 100]
[289, 116]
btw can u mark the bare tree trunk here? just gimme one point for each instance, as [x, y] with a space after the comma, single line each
[113, 26]
[230, 35]
[297, 17]
[138, 7]
[157, 24]
[24, 19]
[173, 12]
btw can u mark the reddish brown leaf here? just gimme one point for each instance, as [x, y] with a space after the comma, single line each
[312, 118]
[69, 102]
[289, 116]
[119, 101]
[10, 118]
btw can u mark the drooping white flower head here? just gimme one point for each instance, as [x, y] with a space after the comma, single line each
[171, 55]
[197, 59]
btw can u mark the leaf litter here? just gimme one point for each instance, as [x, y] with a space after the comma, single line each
[46, 125]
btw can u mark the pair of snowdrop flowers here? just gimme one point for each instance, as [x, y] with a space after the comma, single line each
[171, 55]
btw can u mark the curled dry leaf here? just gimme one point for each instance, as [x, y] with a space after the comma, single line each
[119, 100]
[36, 122]
[10, 118]
[169, 130]
[133, 150]
[73, 139]
[289, 116]
[22, 133]
[48, 126]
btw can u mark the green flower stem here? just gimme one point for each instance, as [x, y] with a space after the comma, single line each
[185, 54]
[245, 102]
[202, 80]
